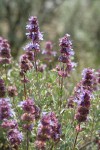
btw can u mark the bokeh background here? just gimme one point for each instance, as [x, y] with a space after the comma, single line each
[79, 18]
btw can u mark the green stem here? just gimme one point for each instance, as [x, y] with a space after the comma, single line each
[15, 107]
[6, 74]
[75, 140]
[35, 65]
[25, 89]
[77, 133]
[27, 140]
[38, 86]
[61, 88]
[59, 80]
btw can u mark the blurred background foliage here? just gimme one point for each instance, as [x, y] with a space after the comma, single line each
[81, 19]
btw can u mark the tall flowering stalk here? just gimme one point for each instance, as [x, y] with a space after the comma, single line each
[26, 65]
[30, 57]
[10, 126]
[33, 33]
[82, 96]
[5, 54]
[67, 65]
[14, 136]
[31, 113]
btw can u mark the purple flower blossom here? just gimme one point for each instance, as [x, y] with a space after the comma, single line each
[15, 137]
[32, 47]
[83, 108]
[83, 94]
[30, 55]
[66, 45]
[27, 117]
[31, 113]
[66, 56]
[5, 56]
[9, 124]
[33, 30]
[48, 128]
[33, 33]
[5, 109]
[27, 105]
[30, 107]
[25, 63]
[88, 79]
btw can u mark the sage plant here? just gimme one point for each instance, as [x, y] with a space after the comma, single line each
[33, 33]
[66, 64]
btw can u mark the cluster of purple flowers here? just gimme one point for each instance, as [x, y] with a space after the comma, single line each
[31, 113]
[15, 138]
[83, 94]
[48, 129]
[88, 79]
[9, 124]
[48, 52]
[13, 134]
[33, 30]
[5, 56]
[66, 57]
[5, 109]
[83, 107]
